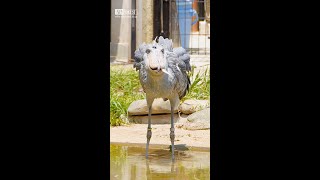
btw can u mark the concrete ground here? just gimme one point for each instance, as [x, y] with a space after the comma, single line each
[137, 134]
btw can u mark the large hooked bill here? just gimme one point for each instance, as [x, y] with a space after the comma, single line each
[165, 71]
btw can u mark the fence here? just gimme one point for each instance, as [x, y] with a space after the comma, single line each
[186, 22]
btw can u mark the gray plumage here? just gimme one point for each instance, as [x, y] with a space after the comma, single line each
[163, 74]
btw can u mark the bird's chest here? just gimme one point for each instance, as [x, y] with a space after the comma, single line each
[161, 87]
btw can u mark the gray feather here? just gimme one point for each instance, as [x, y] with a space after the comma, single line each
[165, 43]
[138, 56]
[183, 56]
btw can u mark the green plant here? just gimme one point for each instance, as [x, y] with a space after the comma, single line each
[200, 85]
[124, 89]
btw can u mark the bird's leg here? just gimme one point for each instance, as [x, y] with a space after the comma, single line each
[172, 136]
[149, 133]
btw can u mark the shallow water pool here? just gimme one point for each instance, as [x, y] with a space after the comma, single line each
[129, 162]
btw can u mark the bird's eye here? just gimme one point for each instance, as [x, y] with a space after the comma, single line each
[148, 51]
[162, 50]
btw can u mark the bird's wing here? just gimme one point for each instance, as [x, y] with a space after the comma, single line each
[138, 56]
[179, 64]
[183, 56]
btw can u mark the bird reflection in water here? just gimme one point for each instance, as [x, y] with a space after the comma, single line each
[151, 175]
[130, 163]
[161, 156]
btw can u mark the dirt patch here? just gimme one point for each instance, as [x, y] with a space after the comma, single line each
[136, 134]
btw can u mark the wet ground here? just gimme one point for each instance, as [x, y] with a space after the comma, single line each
[129, 162]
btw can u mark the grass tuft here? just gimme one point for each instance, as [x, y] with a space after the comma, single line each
[200, 85]
[124, 89]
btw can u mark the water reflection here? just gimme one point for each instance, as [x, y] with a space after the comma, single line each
[130, 163]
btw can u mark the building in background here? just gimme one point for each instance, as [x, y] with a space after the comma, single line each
[136, 21]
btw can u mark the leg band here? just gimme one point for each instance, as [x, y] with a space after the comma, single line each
[149, 134]
[172, 136]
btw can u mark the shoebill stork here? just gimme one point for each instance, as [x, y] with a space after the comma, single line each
[163, 74]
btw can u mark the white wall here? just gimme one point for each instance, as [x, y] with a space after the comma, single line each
[120, 46]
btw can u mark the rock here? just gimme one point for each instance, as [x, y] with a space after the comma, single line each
[159, 106]
[198, 121]
[155, 119]
[191, 106]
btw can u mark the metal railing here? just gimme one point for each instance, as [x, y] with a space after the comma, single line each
[194, 37]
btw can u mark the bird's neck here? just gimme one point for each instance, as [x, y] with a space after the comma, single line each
[155, 78]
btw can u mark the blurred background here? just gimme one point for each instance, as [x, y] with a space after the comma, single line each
[186, 22]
